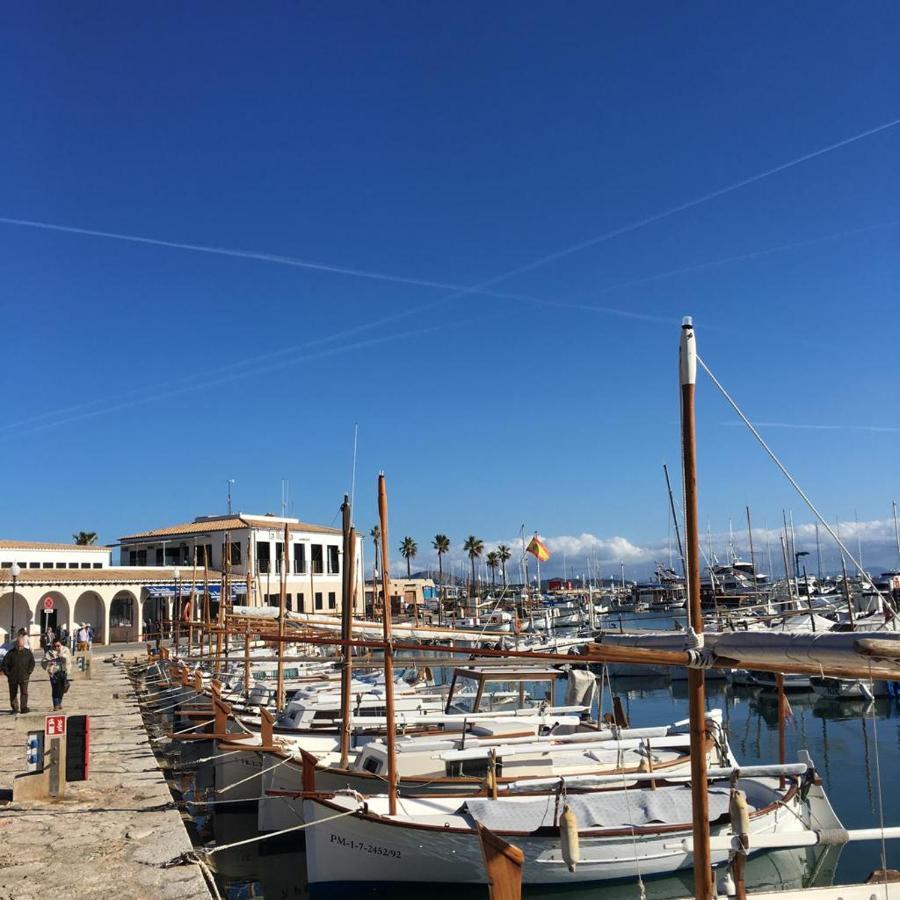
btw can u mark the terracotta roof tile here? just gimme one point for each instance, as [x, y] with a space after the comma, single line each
[225, 524]
[129, 574]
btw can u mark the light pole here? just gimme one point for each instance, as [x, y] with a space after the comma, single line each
[176, 604]
[15, 571]
[797, 556]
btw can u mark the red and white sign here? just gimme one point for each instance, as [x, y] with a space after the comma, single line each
[48, 604]
[54, 726]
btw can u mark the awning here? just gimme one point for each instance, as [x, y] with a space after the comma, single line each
[167, 591]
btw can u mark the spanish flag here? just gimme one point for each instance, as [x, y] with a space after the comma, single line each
[538, 549]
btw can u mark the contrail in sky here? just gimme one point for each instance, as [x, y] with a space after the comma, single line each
[458, 291]
[820, 427]
[225, 379]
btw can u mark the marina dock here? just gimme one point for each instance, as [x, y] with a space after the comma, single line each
[117, 832]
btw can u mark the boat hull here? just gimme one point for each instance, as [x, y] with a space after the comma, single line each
[361, 847]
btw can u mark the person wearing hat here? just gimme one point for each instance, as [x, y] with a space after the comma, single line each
[56, 661]
[17, 666]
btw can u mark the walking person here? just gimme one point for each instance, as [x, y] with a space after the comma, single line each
[84, 637]
[57, 661]
[17, 666]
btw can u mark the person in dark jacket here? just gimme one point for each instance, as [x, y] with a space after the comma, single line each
[17, 666]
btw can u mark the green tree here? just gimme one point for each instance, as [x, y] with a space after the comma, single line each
[505, 555]
[493, 563]
[474, 547]
[408, 549]
[441, 543]
[85, 538]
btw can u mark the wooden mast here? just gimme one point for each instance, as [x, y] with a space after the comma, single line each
[220, 618]
[390, 736]
[346, 630]
[703, 879]
[282, 605]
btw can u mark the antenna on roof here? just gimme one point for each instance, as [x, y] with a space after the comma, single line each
[228, 485]
[285, 492]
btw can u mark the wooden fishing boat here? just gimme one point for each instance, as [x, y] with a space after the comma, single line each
[435, 840]
[499, 755]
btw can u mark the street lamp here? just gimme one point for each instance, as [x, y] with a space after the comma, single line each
[15, 571]
[176, 604]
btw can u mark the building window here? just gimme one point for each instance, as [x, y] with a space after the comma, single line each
[132, 557]
[85, 565]
[57, 566]
[299, 559]
[332, 600]
[97, 565]
[159, 556]
[235, 553]
[48, 565]
[316, 558]
[301, 605]
[334, 564]
[279, 555]
[6, 565]
[142, 557]
[173, 556]
[318, 599]
[263, 556]
[37, 565]
[71, 565]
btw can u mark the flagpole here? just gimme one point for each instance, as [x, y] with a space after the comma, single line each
[524, 562]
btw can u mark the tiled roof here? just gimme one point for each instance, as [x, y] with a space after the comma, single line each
[40, 545]
[233, 524]
[124, 574]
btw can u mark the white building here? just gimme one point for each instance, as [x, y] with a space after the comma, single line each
[256, 544]
[59, 585]
[35, 555]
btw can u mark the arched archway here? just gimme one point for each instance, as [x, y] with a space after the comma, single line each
[89, 610]
[59, 616]
[19, 617]
[124, 618]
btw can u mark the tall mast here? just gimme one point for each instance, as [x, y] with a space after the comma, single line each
[675, 520]
[388, 648]
[282, 604]
[346, 629]
[818, 557]
[752, 555]
[703, 882]
[896, 527]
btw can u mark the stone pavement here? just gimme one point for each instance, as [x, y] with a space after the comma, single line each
[111, 834]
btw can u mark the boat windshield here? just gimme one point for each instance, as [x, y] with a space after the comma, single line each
[473, 691]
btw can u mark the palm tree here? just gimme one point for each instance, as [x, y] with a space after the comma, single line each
[375, 534]
[441, 543]
[474, 547]
[493, 563]
[409, 548]
[505, 554]
[85, 538]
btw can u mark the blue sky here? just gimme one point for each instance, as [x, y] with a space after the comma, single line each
[448, 146]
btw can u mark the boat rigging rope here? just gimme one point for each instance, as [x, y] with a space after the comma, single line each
[884, 602]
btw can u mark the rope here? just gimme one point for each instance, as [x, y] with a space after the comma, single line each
[884, 602]
[261, 837]
[255, 774]
[880, 793]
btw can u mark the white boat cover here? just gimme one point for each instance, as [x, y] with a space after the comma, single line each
[622, 809]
